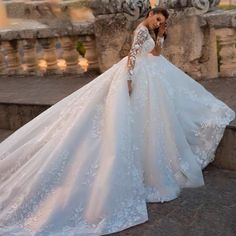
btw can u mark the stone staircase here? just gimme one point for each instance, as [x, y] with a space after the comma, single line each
[225, 89]
[17, 108]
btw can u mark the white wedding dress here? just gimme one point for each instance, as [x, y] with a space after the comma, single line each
[88, 164]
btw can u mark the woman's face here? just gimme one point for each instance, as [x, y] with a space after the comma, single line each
[155, 20]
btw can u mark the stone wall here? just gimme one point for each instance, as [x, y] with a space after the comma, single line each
[188, 45]
[204, 46]
[201, 45]
[113, 38]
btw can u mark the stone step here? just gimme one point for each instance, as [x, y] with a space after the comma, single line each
[23, 98]
[225, 156]
[4, 133]
[13, 115]
[224, 89]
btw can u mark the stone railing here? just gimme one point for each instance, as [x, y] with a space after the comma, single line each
[223, 35]
[201, 41]
[29, 47]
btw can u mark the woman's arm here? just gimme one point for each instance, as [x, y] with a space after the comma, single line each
[159, 44]
[136, 47]
[159, 40]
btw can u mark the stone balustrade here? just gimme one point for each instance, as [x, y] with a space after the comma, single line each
[204, 45]
[30, 47]
[201, 41]
[223, 34]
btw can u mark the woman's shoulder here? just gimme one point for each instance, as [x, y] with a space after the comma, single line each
[141, 27]
[141, 30]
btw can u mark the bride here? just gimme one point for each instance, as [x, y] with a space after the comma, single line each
[138, 133]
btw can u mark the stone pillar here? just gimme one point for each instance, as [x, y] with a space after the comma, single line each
[2, 62]
[91, 54]
[111, 33]
[227, 51]
[48, 45]
[30, 58]
[209, 60]
[12, 56]
[70, 55]
[183, 46]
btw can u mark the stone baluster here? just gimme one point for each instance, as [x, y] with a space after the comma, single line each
[12, 57]
[2, 62]
[91, 55]
[227, 40]
[29, 55]
[209, 57]
[70, 55]
[49, 54]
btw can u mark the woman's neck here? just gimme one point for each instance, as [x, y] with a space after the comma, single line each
[145, 23]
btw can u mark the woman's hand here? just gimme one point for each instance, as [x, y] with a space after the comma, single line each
[162, 29]
[130, 86]
[156, 51]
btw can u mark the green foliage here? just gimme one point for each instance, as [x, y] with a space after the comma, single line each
[227, 6]
[80, 48]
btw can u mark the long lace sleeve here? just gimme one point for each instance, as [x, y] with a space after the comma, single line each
[137, 44]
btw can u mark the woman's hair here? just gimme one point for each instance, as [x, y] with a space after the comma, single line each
[162, 11]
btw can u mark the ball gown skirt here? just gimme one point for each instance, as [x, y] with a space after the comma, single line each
[89, 164]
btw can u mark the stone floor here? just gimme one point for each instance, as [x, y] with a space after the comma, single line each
[50, 89]
[40, 90]
[204, 211]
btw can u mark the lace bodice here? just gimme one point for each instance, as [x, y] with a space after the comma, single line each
[142, 44]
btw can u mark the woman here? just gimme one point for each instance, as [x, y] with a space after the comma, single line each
[137, 133]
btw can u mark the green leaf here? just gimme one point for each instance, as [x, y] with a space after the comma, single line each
[80, 48]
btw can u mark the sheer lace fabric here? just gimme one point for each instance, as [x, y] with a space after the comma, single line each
[142, 43]
[89, 164]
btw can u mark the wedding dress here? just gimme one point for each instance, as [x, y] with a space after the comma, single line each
[89, 164]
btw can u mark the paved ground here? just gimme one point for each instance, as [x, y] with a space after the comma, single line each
[209, 210]
[50, 89]
[40, 90]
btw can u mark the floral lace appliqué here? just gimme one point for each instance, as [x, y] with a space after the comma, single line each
[139, 39]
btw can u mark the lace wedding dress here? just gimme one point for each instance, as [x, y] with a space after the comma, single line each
[88, 164]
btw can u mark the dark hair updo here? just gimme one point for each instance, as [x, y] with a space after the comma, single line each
[162, 11]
